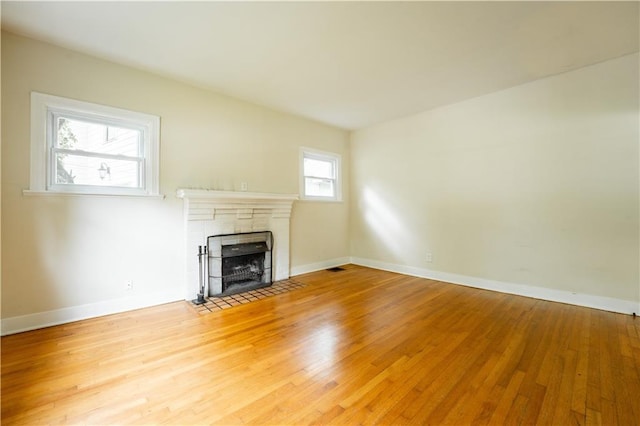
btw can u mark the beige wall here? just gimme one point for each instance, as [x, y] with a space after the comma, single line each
[61, 252]
[536, 185]
[0, 173]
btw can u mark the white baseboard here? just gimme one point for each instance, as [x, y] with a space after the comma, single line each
[22, 323]
[312, 267]
[29, 322]
[562, 296]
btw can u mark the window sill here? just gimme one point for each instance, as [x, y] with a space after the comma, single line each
[38, 193]
[320, 200]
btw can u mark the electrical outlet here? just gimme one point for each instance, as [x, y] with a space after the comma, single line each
[129, 285]
[244, 186]
[429, 257]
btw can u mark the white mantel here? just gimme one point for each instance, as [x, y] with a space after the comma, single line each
[209, 212]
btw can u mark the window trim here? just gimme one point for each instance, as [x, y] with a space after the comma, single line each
[323, 156]
[45, 107]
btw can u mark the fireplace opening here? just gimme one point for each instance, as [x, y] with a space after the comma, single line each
[239, 262]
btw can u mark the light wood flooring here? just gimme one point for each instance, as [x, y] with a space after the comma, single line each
[354, 347]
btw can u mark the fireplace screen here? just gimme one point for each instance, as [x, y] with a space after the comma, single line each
[239, 262]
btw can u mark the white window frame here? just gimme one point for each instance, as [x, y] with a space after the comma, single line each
[315, 154]
[44, 109]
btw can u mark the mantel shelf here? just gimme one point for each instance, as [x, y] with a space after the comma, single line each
[234, 196]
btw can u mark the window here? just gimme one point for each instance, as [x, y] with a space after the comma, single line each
[320, 175]
[79, 147]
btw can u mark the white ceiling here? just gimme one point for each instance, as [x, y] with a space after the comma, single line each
[348, 64]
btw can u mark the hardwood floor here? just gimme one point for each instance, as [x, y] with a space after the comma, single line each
[354, 347]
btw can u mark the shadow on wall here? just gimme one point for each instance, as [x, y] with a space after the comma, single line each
[47, 250]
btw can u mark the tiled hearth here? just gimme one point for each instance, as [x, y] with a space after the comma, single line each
[215, 304]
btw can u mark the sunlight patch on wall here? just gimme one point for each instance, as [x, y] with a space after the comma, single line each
[385, 223]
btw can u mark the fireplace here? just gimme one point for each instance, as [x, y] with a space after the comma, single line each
[209, 212]
[239, 262]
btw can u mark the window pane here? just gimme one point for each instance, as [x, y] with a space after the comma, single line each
[318, 168]
[97, 137]
[83, 170]
[315, 187]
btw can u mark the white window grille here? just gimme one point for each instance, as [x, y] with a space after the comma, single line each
[320, 175]
[80, 147]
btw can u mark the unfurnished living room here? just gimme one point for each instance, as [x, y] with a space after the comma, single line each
[345, 213]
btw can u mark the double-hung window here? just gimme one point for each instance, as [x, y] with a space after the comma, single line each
[320, 175]
[80, 147]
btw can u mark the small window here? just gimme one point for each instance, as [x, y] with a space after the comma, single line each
[320, 175]
[81, 147]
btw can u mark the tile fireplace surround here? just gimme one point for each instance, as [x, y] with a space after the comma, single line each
[208, 212]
